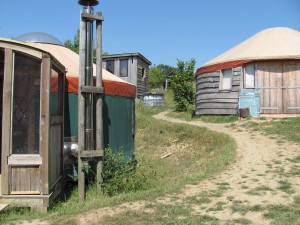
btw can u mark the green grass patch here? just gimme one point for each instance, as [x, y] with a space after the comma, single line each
[286, 187]
[241, 221]
[285, 128]
[243, 209]
[217, 207]
[160, 214]
[284, 214]
[261, 190]
[219, 119]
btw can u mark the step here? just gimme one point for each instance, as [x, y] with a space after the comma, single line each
[3, 207]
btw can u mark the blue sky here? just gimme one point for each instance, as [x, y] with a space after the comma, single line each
[162, 30]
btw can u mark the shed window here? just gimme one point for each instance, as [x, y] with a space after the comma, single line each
[123, 68]
[110, 66]
[249, 76]
[226, 79]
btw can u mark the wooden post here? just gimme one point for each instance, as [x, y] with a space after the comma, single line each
[6, 118]
[99, 103]
[81, 108]
[45, 123]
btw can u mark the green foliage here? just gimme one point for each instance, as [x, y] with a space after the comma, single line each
[120, 176]
[73, 45]
[156, 77]
[181, 85]
[166, 69]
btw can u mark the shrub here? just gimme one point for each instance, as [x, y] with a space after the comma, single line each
[121, 176]
[181, 85]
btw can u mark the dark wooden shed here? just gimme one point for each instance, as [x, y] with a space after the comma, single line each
[131, 67]
[32, 87]
[267, 66]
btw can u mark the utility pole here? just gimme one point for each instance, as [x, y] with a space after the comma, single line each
[88, 148]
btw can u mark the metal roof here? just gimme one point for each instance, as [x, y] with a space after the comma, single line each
[126, 55]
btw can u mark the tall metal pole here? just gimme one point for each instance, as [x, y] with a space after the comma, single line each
[89, 142]
[86, 92]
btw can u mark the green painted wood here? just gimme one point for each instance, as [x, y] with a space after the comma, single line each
[118, 122]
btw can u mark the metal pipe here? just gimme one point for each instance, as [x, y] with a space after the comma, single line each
[89, 142]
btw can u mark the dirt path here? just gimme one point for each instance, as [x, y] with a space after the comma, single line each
[262, 175]
[256, 179]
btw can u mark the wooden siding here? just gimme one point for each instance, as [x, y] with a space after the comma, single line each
[269, 84]
[136, 64]
[291, 84]
[142, 81]
[212, 101]
[25, 180]
[278, 83]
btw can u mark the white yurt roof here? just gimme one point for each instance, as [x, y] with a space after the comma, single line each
[272, 43]
[70, 60]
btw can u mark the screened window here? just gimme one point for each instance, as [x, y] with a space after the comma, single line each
[26, 105]
[226, 79]
[250, 76]
[123, 68]
[110, 66]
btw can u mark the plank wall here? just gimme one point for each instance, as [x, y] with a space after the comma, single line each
[212, 101]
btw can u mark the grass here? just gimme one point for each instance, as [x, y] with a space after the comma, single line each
[286, 128]
[243, 208]
[197, 153]
[286, 187]
[261, 190]
[284, 214]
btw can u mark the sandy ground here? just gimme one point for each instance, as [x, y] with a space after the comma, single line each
[252, 180]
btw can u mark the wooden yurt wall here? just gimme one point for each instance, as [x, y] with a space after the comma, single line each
[278, 83]
[210, 100]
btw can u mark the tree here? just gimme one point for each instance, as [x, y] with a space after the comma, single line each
[166, 69]
[73, 45]
[156, 77]
[181, 85]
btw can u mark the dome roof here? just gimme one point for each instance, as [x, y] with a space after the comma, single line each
[270, 44]
[39, 37]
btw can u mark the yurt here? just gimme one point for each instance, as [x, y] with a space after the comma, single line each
[39, 111]
[118, 100]
[261, 74]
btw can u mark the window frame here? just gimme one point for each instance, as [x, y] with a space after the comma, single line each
[222, 77]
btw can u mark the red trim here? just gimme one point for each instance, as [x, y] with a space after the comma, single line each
[110, 87]
[221, 66]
